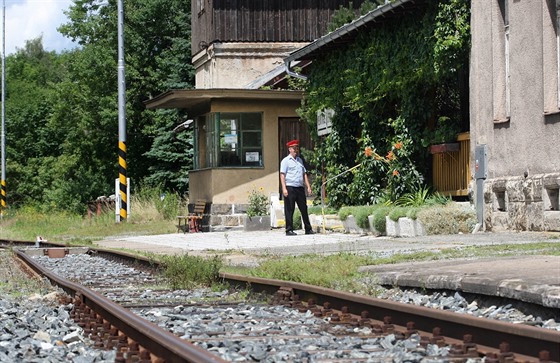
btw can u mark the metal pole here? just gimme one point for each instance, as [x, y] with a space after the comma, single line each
[3, 132]
[122, 115]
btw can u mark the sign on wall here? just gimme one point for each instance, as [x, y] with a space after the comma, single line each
[324, 121]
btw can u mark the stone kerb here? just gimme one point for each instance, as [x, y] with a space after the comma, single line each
[404, 227]
[332, 222]
[351, 226]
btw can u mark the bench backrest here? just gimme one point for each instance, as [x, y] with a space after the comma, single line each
[199, 207]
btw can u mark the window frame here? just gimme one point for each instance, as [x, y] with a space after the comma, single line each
[226, 146]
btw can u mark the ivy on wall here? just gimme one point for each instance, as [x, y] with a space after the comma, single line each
[397, 89]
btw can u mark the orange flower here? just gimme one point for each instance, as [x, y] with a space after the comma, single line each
[398, 145]
[395, 172]
[390, 155]
[368, 151]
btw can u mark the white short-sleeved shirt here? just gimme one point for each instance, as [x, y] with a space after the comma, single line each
[293, 169]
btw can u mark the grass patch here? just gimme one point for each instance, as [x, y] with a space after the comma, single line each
[327, 271]
[187, 272]
[150, 214]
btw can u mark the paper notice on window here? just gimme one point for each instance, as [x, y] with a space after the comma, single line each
[252, 156]
[230, 138]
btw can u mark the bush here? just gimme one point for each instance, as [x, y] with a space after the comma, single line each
[379, 222]
[317, 209]
[297, 219]
[398, 212]
[448, 219]
[344, 212]
[361, 215]
[258, 204]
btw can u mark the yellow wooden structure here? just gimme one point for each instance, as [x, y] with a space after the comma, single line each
[450, 169]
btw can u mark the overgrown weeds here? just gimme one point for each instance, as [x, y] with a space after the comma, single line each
[448, 219]
[312, 269]
[152, 212]
[187, 272]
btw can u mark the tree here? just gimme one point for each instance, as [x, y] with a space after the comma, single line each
[157, 58]
[63, 114]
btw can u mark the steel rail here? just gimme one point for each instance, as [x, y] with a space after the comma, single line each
[157, 341]
[523, 340]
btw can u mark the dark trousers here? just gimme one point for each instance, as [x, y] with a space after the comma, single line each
[296, 195]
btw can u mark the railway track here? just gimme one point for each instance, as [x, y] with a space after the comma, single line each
[148, 324]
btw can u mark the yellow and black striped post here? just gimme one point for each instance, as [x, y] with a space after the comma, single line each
[3, 200]
[122, 115]
[122, 180]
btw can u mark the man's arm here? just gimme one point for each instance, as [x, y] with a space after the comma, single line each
[306, 180]
[283, 183]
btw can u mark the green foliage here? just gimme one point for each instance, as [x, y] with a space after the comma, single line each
[403, 78]
[398, 212]
[297, 219]
[258, 204]
[438, 198]
[317, 209]
[361, 215]
[326, 271]
[187, 272]
[69, 155]
[416, 198]
[379, 221]
[344, 212]
[345, 15]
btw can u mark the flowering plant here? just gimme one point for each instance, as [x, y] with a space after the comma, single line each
[258, 203]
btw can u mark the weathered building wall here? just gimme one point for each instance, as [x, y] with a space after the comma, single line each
[235, 42]
[234, 65]
[514, 111]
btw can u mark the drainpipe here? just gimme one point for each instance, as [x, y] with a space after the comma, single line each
[287, 66]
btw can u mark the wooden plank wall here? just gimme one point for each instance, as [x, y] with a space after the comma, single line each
[451, 171]
[267, 20]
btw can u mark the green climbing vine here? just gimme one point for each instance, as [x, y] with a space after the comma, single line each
[400, 84]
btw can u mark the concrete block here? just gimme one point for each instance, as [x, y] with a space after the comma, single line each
[535, 216]
[372, 229]
[488, 193]
[220, 208]
[499, 185]
[499, 221]
[516, 215]
[392, 227]
[256, 223]
[552, 220]
[406, 227]
[232, 220]
[533, 189]
[350, 226]
[419, 228]
[551, 180]
[514, 189]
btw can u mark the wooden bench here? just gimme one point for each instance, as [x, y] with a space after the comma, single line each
[193, 221]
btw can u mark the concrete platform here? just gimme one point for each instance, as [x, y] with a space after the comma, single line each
[534, 279]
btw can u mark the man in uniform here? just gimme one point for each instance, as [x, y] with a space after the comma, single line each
[294, 180]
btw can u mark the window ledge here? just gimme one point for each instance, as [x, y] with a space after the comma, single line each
[501, 120]
[552, 112]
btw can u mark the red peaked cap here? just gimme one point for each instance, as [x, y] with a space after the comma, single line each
[292, 143]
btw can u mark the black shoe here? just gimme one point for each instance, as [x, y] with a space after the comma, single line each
[309, 232]
[291, 233]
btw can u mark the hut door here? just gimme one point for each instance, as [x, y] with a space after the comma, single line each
[290, 128]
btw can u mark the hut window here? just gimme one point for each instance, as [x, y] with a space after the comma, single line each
[240, 140]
